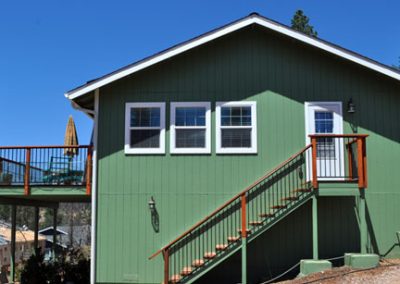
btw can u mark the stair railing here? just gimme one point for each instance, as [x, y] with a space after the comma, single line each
[264, 201]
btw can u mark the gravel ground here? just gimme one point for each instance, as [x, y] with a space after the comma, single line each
[388, 272]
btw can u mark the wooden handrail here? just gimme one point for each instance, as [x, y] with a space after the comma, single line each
[338, 135]
[231, 200]
[44, 147]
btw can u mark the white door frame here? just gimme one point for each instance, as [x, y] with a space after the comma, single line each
[336, 108]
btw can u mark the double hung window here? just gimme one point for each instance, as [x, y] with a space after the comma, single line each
[145, 128]
[236, 127]
[190, 128]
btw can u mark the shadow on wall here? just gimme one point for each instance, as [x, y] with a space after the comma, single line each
[291, 240]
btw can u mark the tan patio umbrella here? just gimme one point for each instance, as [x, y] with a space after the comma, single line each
[71, 138]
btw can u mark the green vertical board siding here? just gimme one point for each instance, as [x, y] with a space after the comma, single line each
[251, 64]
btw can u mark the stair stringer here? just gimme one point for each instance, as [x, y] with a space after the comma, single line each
[293, 206]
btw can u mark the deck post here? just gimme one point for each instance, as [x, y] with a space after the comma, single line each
[315, 227]
[363, 223]
[314, 162]
[13, 233]
[53, 249]
[36, 230]
[244, 239]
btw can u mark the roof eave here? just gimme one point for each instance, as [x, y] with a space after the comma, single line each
[251, 19]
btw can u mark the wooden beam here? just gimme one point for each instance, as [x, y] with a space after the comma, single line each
[28, 202]
[27, 171]
[53, 249]
[13, 233]
[36, 230]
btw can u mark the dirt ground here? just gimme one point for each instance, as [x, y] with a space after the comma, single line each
[387, 272]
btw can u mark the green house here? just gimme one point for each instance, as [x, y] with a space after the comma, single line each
[232, 156]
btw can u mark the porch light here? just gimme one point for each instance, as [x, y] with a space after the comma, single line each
[152, 204]
[351, 107]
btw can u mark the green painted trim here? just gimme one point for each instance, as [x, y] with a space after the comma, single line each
[338, 189]
[43, 190]
[315, 227]
[363, 223]
[244, 260]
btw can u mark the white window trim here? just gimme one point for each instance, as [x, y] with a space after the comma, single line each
[207, 127]
[159, 150]
[253, 148]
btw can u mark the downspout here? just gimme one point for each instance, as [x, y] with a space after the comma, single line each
[93, 114]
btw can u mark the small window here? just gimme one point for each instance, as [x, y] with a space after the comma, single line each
[190, 128]
[145, 128]
[236, 127]
[324, 125]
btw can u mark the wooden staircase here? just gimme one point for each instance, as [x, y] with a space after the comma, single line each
[249, 214]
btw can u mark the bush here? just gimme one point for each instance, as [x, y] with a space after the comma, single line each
[69, 267]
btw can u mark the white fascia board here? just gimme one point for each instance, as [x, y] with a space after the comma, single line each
[253, 19]
[327, 47]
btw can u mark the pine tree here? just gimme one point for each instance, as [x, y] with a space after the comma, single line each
[300, 22]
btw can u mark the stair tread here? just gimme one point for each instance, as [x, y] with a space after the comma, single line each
[290, 198]
[247, 230]
[232, 239]
[280, 206]
[221, 246]
[210, 254]
[266, 215]
[255, 223]
[186, 270]
[302, 190]
[175, 278]
[198, 262]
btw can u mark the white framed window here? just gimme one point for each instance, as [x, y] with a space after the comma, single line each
[236, 127]
[190, 131]
[145, 128]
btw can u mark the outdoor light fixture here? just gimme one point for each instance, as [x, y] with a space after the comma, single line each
[155, 219]
[152, 204]
[351, 107]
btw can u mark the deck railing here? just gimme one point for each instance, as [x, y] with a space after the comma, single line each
[46, 166]
[263, 202]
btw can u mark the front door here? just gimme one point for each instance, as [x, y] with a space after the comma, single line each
[326, 118]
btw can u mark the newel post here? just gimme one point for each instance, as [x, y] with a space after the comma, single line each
[314, 162]
[27, 171]
[89, 171]
[360, 162]
[166, 265]
[244, 238]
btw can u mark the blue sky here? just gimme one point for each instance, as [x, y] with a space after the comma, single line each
[49, 47]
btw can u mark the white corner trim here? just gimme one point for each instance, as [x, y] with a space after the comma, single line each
[207, 148]
[218, 127]
[253, 19]
[93, 240]
[139, 151]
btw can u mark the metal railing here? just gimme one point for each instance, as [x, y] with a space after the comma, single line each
[46, 166]
[263, 202]
[339, 158]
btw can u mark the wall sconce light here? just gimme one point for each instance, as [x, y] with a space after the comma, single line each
[152, 204]
[155, 219]
[351, 107]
